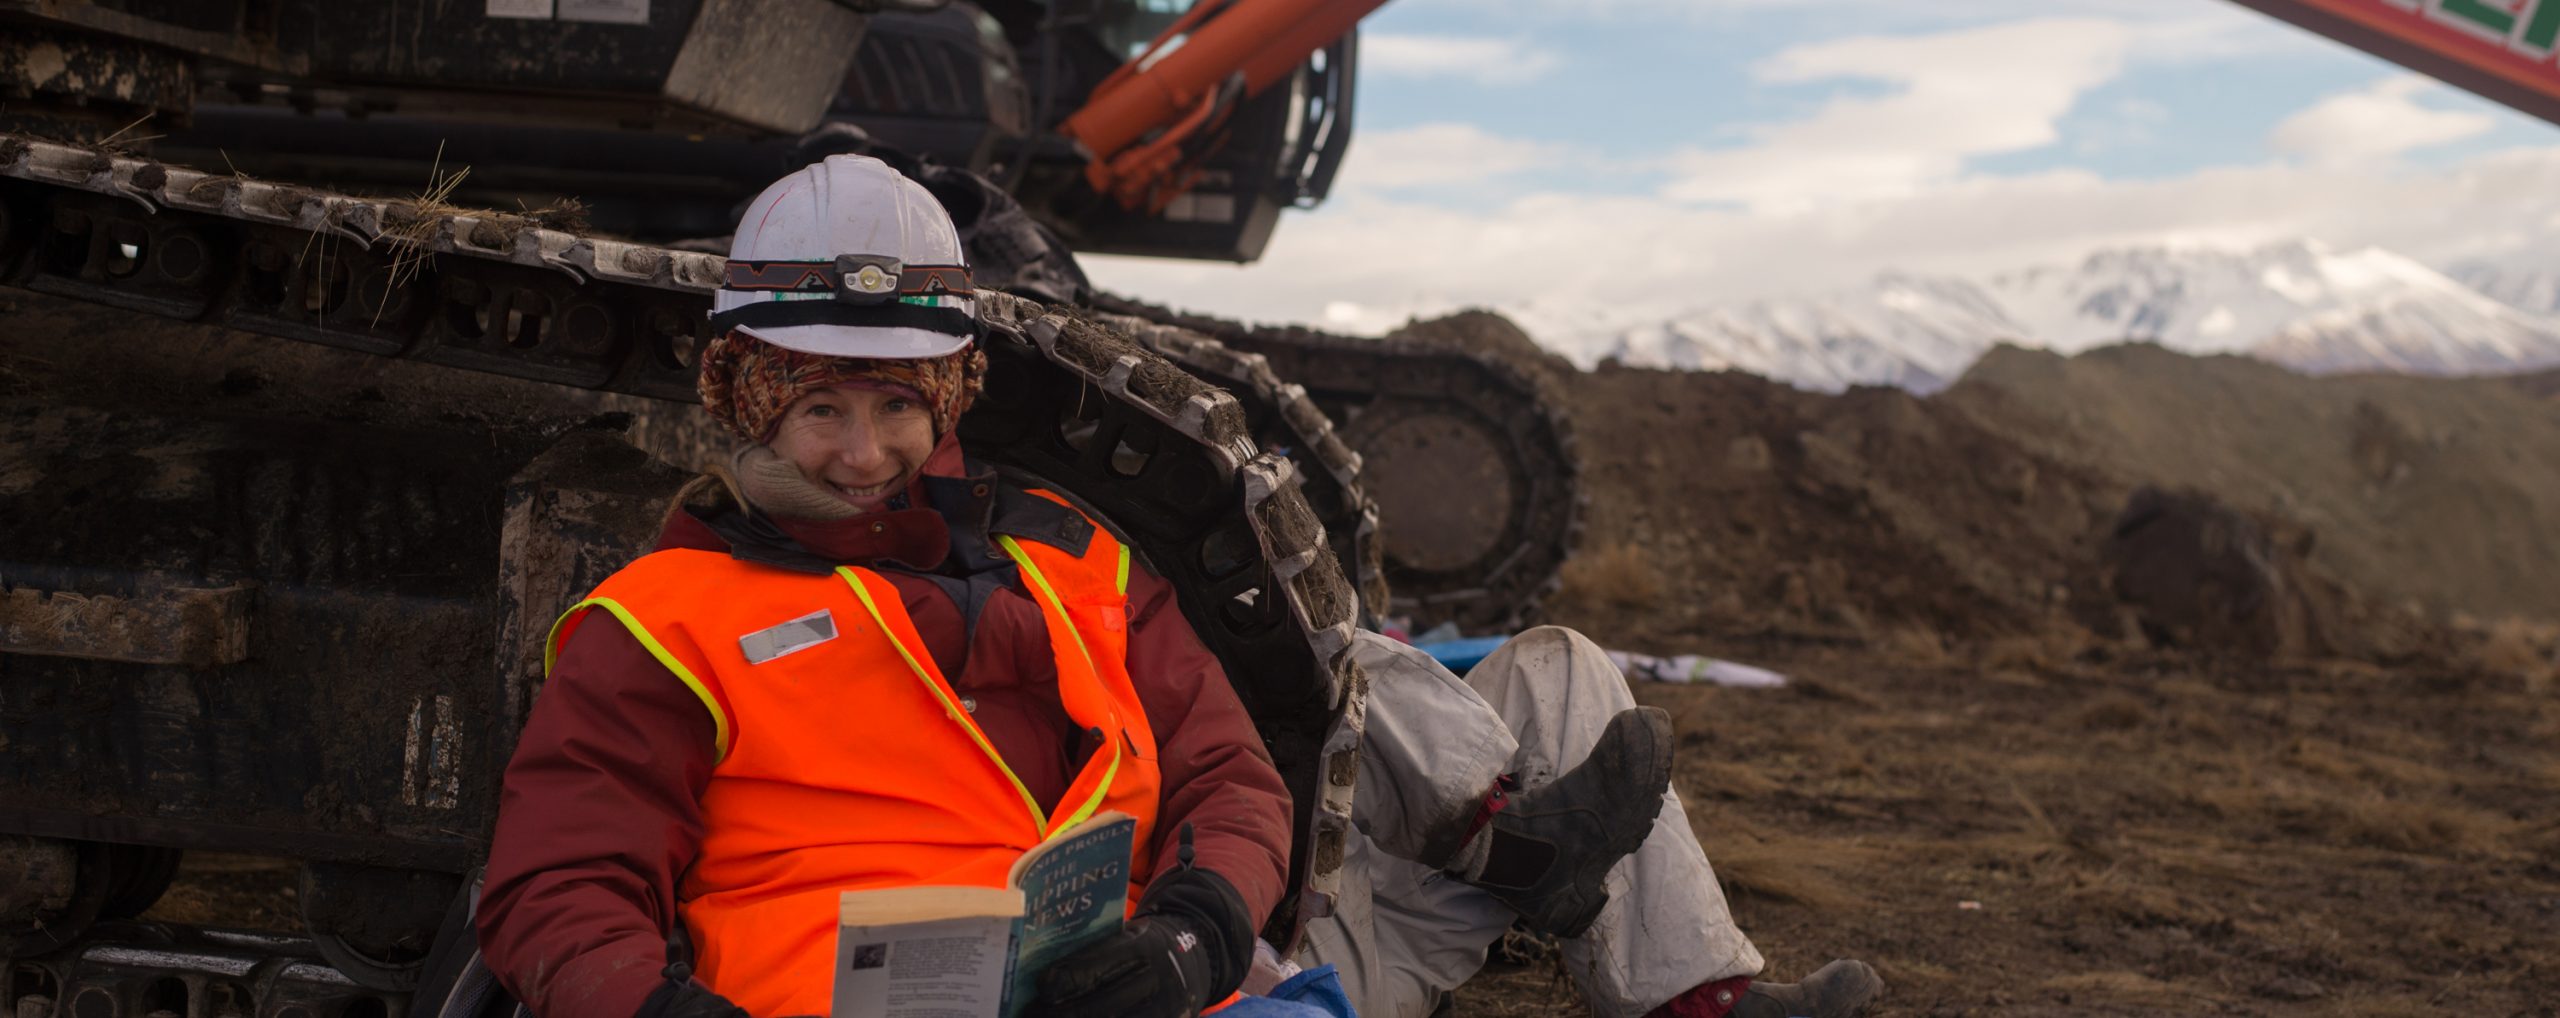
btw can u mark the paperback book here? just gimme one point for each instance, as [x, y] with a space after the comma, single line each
[977, 952]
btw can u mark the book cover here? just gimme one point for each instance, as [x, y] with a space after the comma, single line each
[977, 952]
[1075, 889]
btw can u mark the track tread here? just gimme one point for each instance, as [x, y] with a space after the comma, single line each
[1376, 376]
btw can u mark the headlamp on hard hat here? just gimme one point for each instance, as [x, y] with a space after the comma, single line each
[853, 279]
[869, 290]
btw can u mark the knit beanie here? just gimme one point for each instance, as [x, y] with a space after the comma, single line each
[747, 383]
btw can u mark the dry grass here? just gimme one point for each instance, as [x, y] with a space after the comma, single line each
[410, 224]
[1779, 874]
[2421, 826]
[1798, 871]
[2321, 756]
[2123, 987]
[2141, 904]
[2111, 712]
[2015, 653]
[1919, 646]
[2520, 649]
[1725, 780]
[119, 144]
[1620, 577]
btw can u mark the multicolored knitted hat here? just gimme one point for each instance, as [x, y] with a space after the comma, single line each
[747, 383]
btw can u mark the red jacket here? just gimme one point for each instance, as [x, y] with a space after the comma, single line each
[599, 815]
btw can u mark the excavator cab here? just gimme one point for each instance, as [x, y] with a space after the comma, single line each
[1275, 150]
[658, 119]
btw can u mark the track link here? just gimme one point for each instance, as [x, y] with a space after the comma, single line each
[1284, 418]
[1469, 464]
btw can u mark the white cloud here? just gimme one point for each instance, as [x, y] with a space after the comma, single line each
[2129, 122]
[2199, 27]
[1953, 96]
[1366, 262]
[2376, 122]
[1481, 59]
[1439, 155]
[1877, 178]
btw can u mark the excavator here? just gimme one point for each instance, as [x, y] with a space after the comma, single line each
[343, 345]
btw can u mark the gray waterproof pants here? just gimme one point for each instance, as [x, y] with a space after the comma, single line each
[1402, 932]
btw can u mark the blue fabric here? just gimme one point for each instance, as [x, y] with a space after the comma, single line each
[1314, 993]
[1460, 655]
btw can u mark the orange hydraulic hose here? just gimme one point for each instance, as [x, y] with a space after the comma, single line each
[1263, 39]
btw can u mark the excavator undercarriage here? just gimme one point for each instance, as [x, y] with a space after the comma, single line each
[283, 571]
[285, 598]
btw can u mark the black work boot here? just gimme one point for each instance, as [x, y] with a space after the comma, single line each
[1842, 989]
[1552, 846]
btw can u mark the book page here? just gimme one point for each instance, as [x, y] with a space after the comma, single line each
[942, 968]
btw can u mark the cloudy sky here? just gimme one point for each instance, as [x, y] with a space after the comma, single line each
[1584, 163]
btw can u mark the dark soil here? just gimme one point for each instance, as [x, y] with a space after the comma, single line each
[2142, 836]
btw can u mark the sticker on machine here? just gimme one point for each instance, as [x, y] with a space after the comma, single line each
[538, 9]
[611, 12]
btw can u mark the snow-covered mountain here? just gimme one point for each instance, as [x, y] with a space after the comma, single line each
[1910, 331]
[2444, 334]
[2532, 288]
[2300, 304]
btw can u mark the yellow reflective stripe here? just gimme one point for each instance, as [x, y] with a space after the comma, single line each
[1093, 805]
[719, 718]
[1023, 559]
[1039, 818]
[1038, 579]
[1123, 582]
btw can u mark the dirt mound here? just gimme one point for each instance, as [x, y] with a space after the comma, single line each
[1754, 507]
[2198, 573]
[1723, 504]
[1486, 332]
[2432, 491]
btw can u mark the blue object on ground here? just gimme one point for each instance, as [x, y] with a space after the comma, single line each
[1314, 993]
[1460, 655]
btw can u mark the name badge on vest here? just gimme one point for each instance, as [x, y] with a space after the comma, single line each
[798, 634]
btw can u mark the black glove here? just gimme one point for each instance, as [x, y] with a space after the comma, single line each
[1187, 947]
[677, 995]
[687, 1000]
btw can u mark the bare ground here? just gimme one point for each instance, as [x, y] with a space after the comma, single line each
[2133, 837]
[1996, 782]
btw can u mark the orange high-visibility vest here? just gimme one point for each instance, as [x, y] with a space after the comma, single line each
[846, 761]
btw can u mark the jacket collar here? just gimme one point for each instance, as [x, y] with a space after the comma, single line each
[966, 505]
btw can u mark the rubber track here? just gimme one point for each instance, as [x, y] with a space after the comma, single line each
[1170, 460]
[1282, 416]
[1386, 379]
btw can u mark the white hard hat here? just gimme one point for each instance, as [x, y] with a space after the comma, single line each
[848, 258]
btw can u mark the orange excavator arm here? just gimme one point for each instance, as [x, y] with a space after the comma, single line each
[1146, 125]
[2502, 49]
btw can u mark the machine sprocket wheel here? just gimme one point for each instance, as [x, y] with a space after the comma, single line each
[1436, 412]
[46, 930]
[142, 873]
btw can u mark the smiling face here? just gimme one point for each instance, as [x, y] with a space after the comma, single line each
[860, 442]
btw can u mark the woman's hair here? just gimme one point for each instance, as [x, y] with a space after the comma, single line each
[716, 478]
